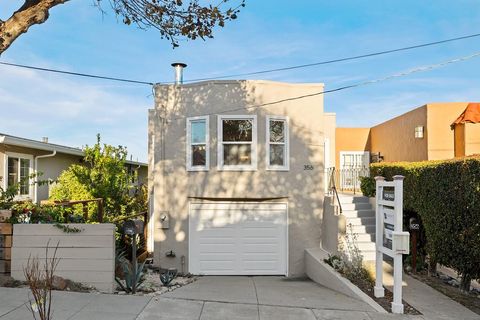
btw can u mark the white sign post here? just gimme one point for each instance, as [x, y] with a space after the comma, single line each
[390, 239]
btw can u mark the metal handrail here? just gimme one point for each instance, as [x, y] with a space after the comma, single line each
[333, 188]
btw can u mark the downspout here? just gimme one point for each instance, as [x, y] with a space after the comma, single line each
[35, 185]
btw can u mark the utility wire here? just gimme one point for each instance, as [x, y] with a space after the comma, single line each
[248, 73]
[76, 73]
[364, 83]
[373, 54]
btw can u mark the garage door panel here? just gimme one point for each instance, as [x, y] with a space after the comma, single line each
[238, 238]
[217, 248]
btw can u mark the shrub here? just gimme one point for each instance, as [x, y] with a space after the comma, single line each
[102, 174]
[367, 185]
[446, 195]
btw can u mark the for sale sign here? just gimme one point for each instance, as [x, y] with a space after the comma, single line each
[388, 227]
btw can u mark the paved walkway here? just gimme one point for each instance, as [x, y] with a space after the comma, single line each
[209, 298]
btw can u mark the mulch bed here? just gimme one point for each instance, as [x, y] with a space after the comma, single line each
[386, 301]
[468, 300]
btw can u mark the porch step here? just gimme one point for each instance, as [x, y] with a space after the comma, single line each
[356, 206]
[358, 213]
[352, 199]
[365, 221]
[362, 229]
[366, 237]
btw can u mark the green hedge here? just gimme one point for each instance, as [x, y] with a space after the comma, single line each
[446, 195]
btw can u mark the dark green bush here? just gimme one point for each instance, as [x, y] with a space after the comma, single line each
[446, 195]
[367, 185]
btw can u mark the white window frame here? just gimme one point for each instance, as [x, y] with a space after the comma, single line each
[190, 166]
[220, 165]
[286, 143]
[5, 174]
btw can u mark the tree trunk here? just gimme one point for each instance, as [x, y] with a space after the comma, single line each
[30, 13]
[465, 283]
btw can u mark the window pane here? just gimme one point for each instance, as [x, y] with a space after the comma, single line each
[277, 155]
[198, 131]
[237, 130]
[199, 155]
[237, 154]
[24, 174]
[277, 132]
[12, 171]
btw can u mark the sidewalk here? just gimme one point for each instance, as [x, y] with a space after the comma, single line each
[431, 303]
[233, 298]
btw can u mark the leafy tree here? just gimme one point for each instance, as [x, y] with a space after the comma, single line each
[103, 174]
[172, 18]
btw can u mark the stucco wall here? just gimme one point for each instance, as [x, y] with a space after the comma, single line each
[87, 257]
[472, 138]
[441, 138]
[173, 186]
[351, 139]
[395, 139]
[330, 123]
[51, 169]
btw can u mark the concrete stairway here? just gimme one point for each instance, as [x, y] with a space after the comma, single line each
[358, 213]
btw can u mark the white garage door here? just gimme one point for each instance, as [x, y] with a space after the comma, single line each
[238, 238]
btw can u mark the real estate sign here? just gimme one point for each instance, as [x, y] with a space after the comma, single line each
[390, 238]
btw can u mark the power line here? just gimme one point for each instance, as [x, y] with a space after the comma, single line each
[368, 82]
[248, 73]
[373, 54]
[76, 73]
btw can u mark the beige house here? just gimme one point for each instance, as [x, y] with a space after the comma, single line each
[237, 176]
[20, 158]
[424, 133]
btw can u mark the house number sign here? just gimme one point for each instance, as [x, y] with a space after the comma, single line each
[390, 239]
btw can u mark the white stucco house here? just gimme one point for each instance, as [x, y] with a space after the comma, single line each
[236, 176]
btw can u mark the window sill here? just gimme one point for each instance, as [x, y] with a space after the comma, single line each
[237, 168]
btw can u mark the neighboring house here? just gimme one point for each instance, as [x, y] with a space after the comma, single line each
[237, 183]
[20, 158]
[424, 133]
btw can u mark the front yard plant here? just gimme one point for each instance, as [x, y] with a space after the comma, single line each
[103, 174]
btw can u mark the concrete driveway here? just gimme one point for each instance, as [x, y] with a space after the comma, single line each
[209, 298]
[223, 297]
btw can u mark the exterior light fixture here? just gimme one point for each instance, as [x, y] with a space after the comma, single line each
[419, 132]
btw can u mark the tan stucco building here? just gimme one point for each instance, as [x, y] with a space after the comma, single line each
[237, 181]
[20, 158]
[424, 133]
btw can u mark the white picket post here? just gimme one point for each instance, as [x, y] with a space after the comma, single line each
[397, 305]
[378, 290]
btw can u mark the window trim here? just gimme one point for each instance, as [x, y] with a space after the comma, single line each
[190, 166]
[286, 166]
[220, 165]
[31, 171]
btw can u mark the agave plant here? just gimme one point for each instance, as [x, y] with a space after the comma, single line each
[132, 273]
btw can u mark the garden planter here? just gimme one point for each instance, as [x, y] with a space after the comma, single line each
[86, 252]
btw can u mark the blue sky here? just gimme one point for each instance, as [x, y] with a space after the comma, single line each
[268, 34]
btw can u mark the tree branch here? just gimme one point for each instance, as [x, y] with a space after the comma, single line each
[30, 13]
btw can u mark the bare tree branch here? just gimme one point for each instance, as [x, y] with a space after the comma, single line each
[172, 18]
[30, 13]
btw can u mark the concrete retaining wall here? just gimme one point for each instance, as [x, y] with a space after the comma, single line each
[333, 225]
[87, 257]
[323, 274]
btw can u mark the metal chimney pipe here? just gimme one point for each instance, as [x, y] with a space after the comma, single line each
[179, 71]
[45, 139]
